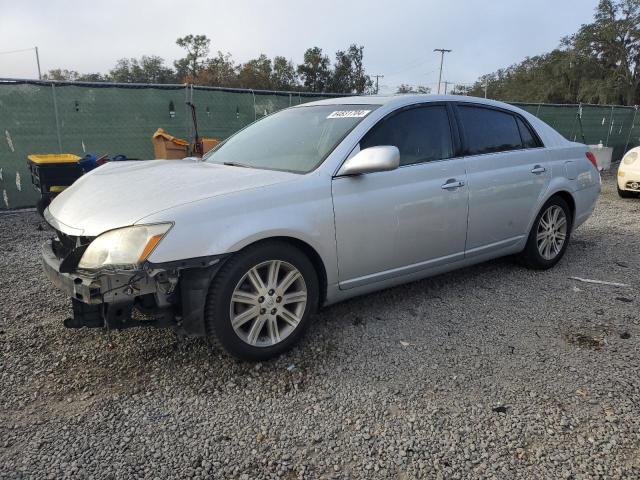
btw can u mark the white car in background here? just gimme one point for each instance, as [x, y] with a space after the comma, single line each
[629, 174]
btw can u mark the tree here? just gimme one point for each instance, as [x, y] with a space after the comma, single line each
[598, 64]
[61, 74]
[148, 69]
[460, 90]
[256, 73]
[314, 70]
[197, 47]
[219, 71]
[283, 76]
[93, 77]
[341, 81]
[613, 42]
[405, 88]
[360, 81]
[348, 73]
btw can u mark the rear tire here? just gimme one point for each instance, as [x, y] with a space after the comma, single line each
[549, 235]
[254, 308]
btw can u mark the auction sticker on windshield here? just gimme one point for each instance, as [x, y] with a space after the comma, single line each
[348, 114]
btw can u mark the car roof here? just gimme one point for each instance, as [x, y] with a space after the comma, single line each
[400, 100]
[549, 136]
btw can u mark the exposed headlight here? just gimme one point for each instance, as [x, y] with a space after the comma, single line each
[124, 247]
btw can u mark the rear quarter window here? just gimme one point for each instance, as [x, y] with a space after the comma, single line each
[529, 140]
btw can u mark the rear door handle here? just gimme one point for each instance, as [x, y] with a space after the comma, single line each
[538, 169]
[451, 184]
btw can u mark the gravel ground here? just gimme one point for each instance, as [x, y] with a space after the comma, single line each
[494, 371]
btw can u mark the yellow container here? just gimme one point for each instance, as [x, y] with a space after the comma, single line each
[168, 147]
[208, 143]
[53, 158]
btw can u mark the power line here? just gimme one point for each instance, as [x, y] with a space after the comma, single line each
[17, 51]
[411, 66]
[27, 50]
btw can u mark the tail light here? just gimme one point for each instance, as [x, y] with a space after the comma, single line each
[592, 159]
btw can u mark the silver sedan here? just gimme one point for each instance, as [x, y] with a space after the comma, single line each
[310, 206]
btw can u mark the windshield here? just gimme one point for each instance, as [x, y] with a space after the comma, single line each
[295, 140]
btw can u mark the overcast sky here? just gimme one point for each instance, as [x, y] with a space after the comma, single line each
[399, 36]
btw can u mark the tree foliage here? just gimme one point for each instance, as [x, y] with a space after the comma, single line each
[598, 64]
[147, 69]
[405, 88]
[61, 74]
[197, 47]
[315, 73]
[315, 70]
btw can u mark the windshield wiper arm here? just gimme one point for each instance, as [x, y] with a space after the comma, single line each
[237, 164]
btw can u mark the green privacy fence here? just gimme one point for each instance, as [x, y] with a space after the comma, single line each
[79, 118]
[614, 126]
[105, 118]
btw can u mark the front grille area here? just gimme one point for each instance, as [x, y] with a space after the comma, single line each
[633, 185]
[64, 244]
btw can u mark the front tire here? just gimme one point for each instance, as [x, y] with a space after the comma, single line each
[260, 301]
[549, 235]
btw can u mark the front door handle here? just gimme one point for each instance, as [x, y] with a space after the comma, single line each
[538, 169]
[453, 183]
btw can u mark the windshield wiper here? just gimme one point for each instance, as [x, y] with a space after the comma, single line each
[237, 164]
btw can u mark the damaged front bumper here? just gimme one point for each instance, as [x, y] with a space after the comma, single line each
[168, 295]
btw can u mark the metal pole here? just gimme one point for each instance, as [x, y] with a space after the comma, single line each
[584, 140]
[188, 122]
[377, 77]
[633, 122]
[610, 128]
[486, 87]
[38, 62]
[255, 115]
[55, 113]
[442, 52]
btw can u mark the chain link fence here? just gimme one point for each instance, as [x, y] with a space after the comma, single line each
[107, 118]
[613, 126]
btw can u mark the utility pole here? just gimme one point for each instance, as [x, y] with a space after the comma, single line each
[442, 52]
[446, 84]
[38, 62]
[377, 77]
[486, 87]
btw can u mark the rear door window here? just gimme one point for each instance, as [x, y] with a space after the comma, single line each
[489, 131]
[422, 134]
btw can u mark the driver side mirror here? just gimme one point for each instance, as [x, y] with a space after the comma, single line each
[372, 159]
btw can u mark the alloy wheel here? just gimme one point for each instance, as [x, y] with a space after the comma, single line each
[552, 232]
[268, 303]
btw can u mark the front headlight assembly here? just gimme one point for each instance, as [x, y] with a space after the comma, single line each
[123, 248]
[630, 158]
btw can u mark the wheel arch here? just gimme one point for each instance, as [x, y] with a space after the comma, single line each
[567, 197]
[310, 252]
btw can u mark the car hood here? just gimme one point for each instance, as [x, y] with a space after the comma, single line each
[118, 194]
